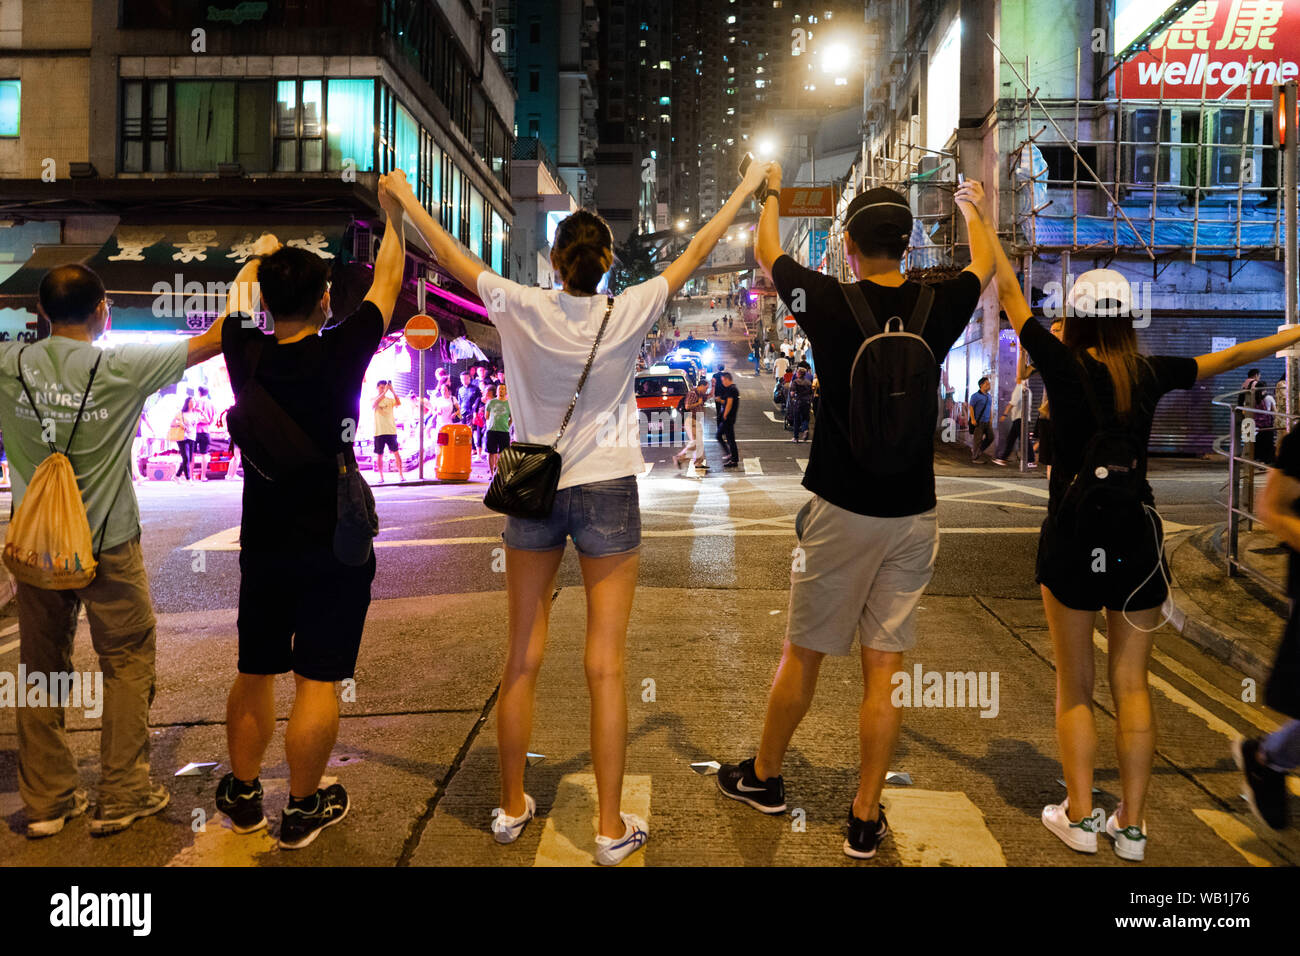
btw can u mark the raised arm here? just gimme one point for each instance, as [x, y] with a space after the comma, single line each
[464, 266]
[767, 244]
[390, 264]
[1011, 298]
[703, 242]
[1215, 363]
[242, 298]
[970, 198]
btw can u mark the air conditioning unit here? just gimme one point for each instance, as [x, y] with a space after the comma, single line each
[1148, 162]
[1232, 165]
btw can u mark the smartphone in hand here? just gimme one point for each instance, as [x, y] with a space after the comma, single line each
[744, 164]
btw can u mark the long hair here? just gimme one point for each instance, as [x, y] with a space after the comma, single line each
[1115, 342]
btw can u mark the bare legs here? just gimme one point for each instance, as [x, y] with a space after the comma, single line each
[610, 585]
[1076, 732]
[308, 740]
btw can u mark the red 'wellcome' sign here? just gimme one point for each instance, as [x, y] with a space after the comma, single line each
[1223, 47]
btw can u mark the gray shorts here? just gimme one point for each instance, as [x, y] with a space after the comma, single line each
[857, 575]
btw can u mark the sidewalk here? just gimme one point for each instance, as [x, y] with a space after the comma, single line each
[1234, 619]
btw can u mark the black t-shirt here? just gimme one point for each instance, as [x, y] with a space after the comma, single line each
[835, 338]
[1073, 424]
[1288, 460]
[317, 380]
[722, 394]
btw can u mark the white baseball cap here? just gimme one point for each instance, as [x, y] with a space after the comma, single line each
[1101, 292]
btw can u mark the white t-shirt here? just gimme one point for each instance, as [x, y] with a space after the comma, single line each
[780, 366]
[546, 336]
[1017, 397]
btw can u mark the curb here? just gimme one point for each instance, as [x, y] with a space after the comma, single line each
[1216, 638]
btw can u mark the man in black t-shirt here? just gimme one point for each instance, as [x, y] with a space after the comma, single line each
[300, 608]
[868, 542]
[728, 398]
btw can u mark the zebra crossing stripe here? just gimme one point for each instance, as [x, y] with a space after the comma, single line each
[1233, 831]
[752, 467]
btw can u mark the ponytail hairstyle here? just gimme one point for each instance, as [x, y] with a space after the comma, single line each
[582, 251]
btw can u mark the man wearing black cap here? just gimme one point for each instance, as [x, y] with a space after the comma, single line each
[868, 538]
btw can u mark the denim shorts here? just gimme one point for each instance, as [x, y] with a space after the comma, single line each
[602, 517]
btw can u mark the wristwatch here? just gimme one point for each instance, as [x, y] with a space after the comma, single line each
[770, 193]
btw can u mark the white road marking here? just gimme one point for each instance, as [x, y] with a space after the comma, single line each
[569, 837]
[771, 416]
[802, 463]
[752, 466]
[934, 828]
[6, 648]
[1233, 831]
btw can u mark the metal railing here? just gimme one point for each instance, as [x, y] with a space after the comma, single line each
[1243, 468]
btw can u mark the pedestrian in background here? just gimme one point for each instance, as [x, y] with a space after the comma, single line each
[497, 413]
[801, 398]
[1016, 408]
[981, 408]
[385, 404]
[728, 398]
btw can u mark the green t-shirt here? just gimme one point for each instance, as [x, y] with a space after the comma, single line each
[497, 414]
[57, 370]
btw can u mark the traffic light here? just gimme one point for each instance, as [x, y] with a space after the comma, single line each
[1286, 117]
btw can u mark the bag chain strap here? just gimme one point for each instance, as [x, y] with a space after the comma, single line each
[583, 381]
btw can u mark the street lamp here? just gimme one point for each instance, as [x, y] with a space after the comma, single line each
[836, 58]
[766, 147]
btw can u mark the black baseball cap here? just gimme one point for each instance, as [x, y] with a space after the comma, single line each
[878, 215]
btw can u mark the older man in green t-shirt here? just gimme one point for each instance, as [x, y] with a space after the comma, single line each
[57, 372]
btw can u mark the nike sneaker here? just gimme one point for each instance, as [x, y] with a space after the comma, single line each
[739, 782]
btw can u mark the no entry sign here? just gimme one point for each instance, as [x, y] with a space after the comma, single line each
[790, 323]
[421, 332]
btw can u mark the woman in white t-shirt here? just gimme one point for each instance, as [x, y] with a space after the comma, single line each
[546, 336]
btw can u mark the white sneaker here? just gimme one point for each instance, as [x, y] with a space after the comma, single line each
[1130, 842]
[611, 851]
[37, 829]
[505, 828]
[1081, 836]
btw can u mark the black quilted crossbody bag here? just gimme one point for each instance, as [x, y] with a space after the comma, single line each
[528, 474]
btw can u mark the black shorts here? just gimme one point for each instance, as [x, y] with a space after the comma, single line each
[203, 440]
[386, 442]
[1086, 573]
[497, 442]
[301, 612]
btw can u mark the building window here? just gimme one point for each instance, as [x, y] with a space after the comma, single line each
[299, 126]
[223, 122]
[350, 133]
[10, 107]
[534, 31]
[534, 127]
[534, 80]
[144, 126]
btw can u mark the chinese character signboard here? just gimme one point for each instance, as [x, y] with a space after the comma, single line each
[808, 201]
[1223, 48]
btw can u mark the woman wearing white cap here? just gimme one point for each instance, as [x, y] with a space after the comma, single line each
[1101, 546]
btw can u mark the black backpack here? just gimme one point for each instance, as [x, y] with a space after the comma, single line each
[893, 388]
[1105, 497]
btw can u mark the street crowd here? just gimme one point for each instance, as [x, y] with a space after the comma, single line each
[869, 533]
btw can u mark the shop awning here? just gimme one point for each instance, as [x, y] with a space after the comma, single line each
[166, 276]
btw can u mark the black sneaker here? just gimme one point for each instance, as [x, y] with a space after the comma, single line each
[739, 782]
[1265, 787]
[864, 836]
[241, 803]
[303, 820]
